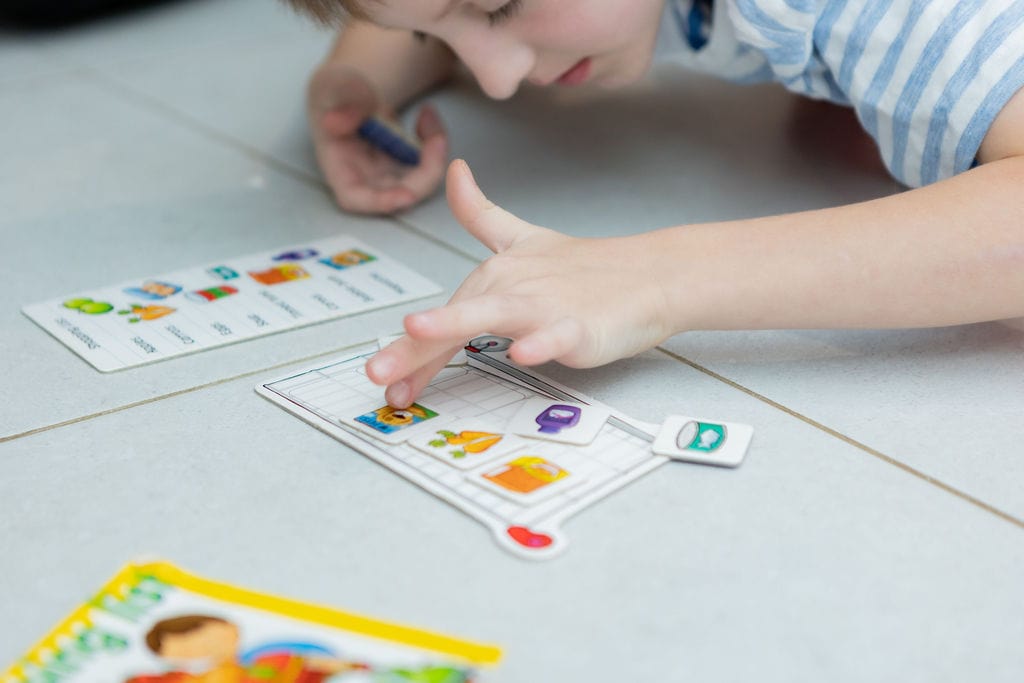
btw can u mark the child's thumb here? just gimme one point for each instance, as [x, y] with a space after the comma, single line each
[484, 219]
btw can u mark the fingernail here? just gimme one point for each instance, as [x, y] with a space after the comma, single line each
[397, 394]
[381, 367]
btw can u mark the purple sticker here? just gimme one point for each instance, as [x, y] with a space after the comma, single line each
[297, 255]
[557, 417]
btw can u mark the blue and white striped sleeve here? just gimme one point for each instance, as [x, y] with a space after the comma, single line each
[926, 77]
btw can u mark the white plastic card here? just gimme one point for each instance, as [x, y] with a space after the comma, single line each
[703, 441]
[559, 420]
[156, 317]
[531, 490]
[393, 425]
[530, 475]
[467, 442]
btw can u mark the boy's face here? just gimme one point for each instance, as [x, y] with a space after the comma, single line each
[545, 42]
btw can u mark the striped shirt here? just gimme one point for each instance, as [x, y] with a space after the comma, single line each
[926, 77]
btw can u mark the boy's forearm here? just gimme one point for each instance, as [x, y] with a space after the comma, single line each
[945, 254]
[400, 65]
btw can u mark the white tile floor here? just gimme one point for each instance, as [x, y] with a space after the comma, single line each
[876, 531]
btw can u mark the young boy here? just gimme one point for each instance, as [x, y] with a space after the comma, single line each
[937, 84]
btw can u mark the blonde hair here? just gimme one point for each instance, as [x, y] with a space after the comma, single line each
[330, 12]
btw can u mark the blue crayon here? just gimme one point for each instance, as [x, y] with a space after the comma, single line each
[387, 138]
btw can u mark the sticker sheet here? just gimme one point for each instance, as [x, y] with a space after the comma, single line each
[153, 318]
[511, 448]
[154, 623]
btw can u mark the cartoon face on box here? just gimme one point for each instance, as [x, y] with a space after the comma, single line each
[388, 420]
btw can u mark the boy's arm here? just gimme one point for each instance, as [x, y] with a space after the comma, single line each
[398, 64]
[945, 254]
[948, 253]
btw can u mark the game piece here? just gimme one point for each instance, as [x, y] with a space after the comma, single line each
[703, 441]
[467, 443]
[524, 495]
[154, 623]
[200, 308]
[555, 420]
[391, 140]
[526, 476]
[392, 425]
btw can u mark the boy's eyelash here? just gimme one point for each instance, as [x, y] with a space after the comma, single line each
[505, 12]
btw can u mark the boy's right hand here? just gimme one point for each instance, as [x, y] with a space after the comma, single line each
[362, 178]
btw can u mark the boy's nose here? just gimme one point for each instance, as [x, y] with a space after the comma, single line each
[498, 66]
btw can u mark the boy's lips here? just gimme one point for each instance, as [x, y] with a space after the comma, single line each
[577, 74]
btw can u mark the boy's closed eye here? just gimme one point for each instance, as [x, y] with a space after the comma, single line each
[495, 17]
[504, 13]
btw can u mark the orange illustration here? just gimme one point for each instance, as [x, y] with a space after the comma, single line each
[526, 474]
[285, 272]
[471, 442]
[138, 312]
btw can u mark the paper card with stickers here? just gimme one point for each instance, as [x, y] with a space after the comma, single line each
[153, 318]
[506, 445]
[154, 623]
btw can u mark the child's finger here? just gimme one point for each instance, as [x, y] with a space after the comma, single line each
[428, 123]
[496, 228]
[432, 334]
[404, 392]
[405, 356]
[465, 319]
[565, 337]
[342, 121]
[424, 178]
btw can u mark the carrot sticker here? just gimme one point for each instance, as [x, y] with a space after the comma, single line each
[466, 443]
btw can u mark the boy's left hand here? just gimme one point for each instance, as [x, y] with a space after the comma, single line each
[582, 302]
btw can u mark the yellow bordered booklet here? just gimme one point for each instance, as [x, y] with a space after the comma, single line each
[154, 623]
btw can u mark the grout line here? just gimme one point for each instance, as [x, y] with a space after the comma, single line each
[180, 392]
[853, 442]
[296, 173]
[196, 125]
[436, 240]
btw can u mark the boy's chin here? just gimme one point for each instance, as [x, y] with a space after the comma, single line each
[626, 75]
[620, 80]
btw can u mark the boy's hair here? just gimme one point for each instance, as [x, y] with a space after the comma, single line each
[330, 12]
[177, 626]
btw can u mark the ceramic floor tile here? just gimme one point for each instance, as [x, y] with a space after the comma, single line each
[253, 94]
[171, 27]
[946, 401]
[22, 59]
[125, 193]
[812, 560]
[181, 139]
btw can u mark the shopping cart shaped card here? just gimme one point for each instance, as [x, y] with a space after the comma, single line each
[154, 623]
[509, 447]
[190, 310]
